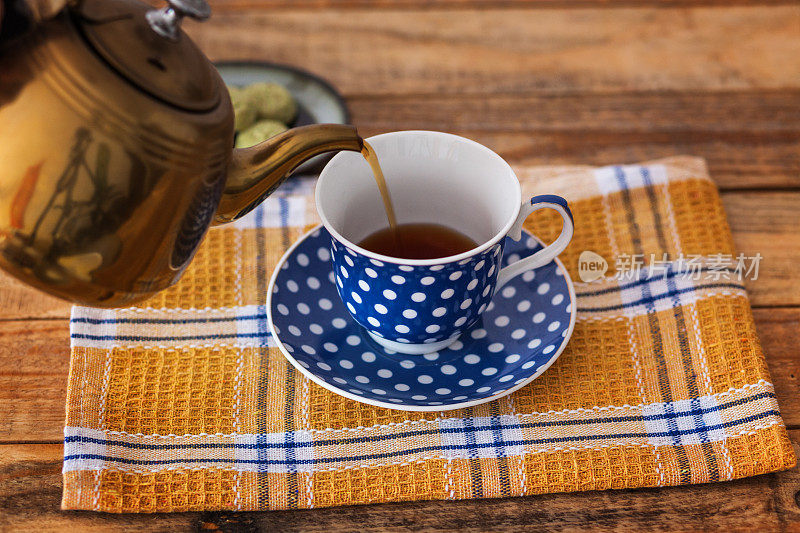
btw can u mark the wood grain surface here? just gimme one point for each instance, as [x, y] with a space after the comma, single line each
[237, 5]
[542, 82]
[440, 51]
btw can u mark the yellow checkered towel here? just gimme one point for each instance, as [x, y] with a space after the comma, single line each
[185, 403]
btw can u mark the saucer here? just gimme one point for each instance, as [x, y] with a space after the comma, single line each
[522, 332]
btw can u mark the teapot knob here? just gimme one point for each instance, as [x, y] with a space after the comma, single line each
[167, 21]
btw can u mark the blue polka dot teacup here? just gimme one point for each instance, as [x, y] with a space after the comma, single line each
[421, 306]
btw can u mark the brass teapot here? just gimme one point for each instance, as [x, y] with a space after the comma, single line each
[116, 138]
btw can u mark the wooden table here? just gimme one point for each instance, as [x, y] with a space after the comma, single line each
[554, 81]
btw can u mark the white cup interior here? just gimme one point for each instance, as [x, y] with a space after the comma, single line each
[432, 177]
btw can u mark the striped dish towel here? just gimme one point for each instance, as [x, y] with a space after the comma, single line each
[184, 403]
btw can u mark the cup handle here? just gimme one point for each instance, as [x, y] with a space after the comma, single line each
[549, 252]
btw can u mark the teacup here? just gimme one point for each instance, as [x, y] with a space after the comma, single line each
[421, 306]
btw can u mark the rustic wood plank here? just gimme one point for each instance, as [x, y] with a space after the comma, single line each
[221, 6]
[767, 223]
[511, 51]
[34, 365]
[34, 356]
[779, 333]
[18, 300]
[735, 161]
[749, 111]
[750, 139]
[30, 494]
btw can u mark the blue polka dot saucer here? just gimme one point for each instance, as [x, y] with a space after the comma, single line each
[521, 333]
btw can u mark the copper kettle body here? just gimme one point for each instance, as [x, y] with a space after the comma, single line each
[116, 148]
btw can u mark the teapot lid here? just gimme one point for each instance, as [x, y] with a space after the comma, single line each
[147, 47]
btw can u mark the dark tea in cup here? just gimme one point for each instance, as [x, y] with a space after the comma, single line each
[418, 241]
[410, 241]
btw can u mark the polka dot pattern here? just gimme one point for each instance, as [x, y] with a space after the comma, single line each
[416, 297]
[505, 348]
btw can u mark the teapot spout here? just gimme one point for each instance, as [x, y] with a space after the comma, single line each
[254, 173]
